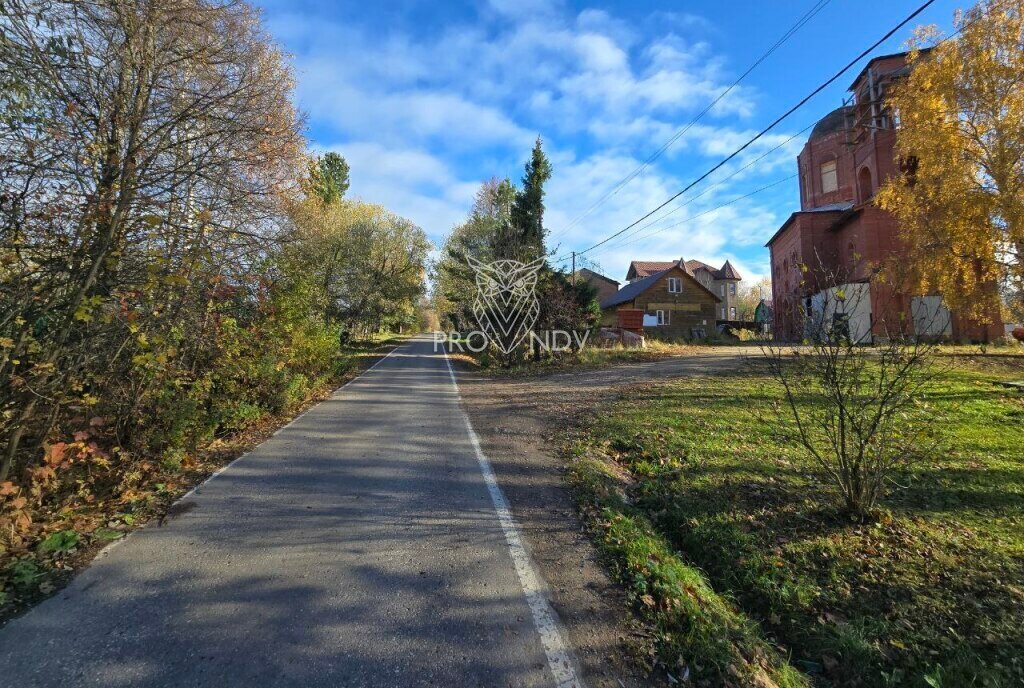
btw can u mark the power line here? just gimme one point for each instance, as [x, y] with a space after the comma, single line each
[690, 218]
[718, 183]
[710, 188]
[771, 126]
[807, 16]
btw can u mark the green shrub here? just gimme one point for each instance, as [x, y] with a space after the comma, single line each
[296, 391]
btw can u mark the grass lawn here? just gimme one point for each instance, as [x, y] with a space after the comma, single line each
[728, 541]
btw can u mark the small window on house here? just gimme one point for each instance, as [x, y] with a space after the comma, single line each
[732, 288]
[662, 317]
[829, 177]
[675, 285]
[723, 312]
[721, 289]
[732, 313]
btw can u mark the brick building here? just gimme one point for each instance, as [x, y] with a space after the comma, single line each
[839, 233]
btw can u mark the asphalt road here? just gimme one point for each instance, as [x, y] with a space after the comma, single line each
[365, 544]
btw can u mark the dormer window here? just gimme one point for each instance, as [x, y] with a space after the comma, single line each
[829, 177]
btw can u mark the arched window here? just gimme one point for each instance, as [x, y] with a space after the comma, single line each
[867, 189]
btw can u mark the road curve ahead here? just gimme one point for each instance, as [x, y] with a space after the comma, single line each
[366, 544]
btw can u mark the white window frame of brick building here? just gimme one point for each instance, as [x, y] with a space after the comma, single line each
[829, 176]
[675, 285]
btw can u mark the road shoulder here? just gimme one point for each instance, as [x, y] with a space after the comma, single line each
[511, 421]
[521, 423]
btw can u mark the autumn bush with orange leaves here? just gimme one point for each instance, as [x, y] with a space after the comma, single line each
[169, 275]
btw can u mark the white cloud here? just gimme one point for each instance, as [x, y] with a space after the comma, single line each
[408, 117]
[426, 118]
[709, 224]
[524, 9]
[409, 182]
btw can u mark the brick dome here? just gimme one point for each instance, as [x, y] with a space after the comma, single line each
[834, 121]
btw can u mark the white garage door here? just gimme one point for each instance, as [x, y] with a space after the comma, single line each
[931, 317]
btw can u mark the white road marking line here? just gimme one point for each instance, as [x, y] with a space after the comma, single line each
[543, 615]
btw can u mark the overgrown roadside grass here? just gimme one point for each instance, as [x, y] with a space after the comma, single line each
[588, 358]
[728, 542]
[64, 541]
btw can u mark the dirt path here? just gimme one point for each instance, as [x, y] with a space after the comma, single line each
[520, 422]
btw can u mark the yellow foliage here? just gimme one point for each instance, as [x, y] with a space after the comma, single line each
[960, 136]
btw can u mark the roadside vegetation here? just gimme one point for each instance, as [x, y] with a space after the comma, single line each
[739, 551]
[176, 272]
[59, 541]
[589, 357]
[506, 223]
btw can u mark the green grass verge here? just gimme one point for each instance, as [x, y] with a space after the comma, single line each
[728, 542]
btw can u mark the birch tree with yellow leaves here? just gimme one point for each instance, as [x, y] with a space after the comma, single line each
[960, 138]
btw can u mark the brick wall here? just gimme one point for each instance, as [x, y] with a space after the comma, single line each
[852, 244]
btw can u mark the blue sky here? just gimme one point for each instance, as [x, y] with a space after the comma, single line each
[428, 99]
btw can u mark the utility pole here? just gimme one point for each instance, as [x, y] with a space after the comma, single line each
[574, 267]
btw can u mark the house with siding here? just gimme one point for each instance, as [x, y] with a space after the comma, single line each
[763, 313]
[723, 281]
[677, 305]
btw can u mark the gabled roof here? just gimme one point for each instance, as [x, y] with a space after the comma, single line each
[726, 272]
[585, 273]
[693, 265]
[646, 268]
[634, 289]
